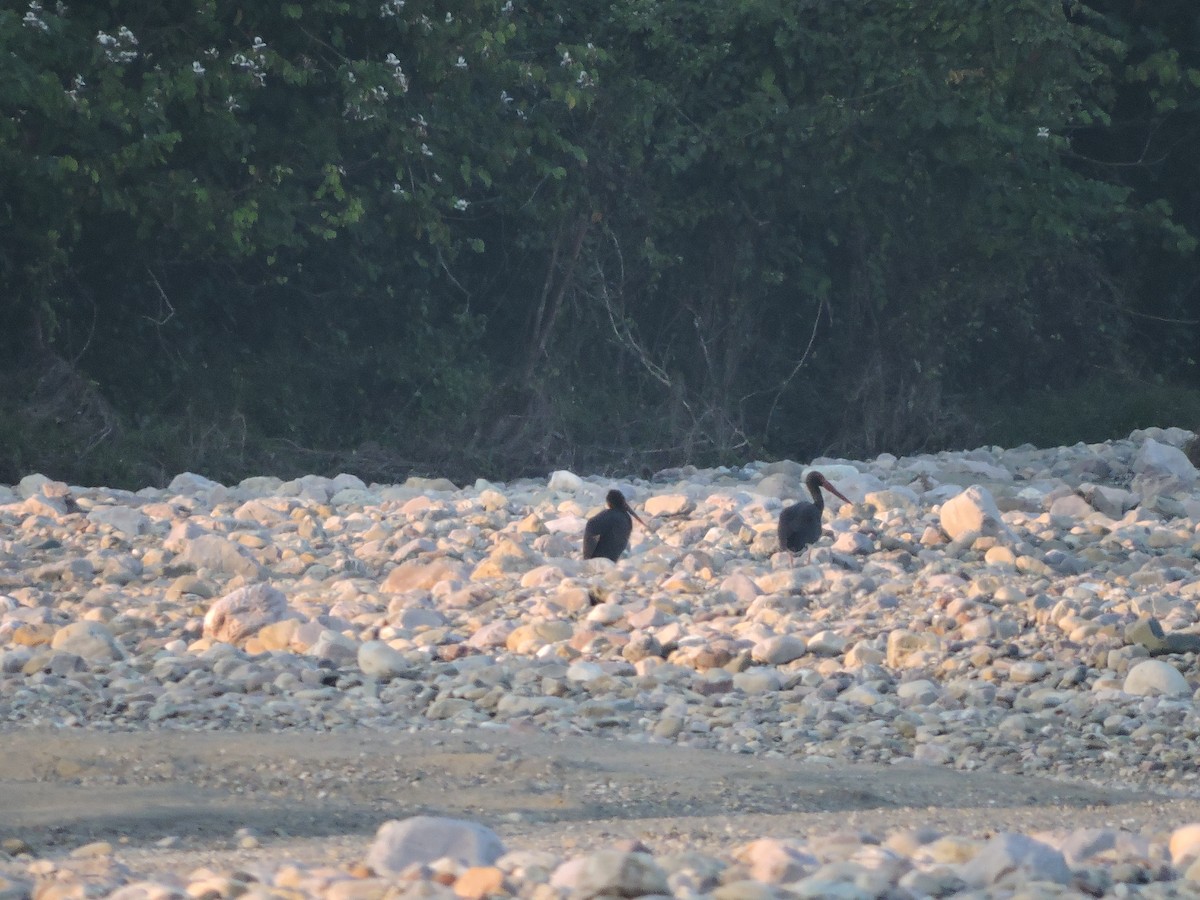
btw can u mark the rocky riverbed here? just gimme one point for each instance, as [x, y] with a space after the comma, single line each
[983, 680]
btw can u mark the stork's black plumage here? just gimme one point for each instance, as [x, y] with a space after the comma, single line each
[800, 523]
[607, 533]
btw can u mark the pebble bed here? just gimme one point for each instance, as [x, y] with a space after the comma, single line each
[1023, 611]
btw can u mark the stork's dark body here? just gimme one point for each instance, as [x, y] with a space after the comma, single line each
[800, 523]
[607, 533]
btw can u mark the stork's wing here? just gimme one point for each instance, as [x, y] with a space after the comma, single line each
[591, 540]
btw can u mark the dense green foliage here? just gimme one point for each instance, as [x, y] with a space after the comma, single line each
[484, 237]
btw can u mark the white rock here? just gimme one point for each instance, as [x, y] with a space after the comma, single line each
[1153, 677]
[863, 654]
[901, 498]
[562, 480]
[1111, 501]
[1162, 470]
[980, 629]
[424, 839]
[972, 511]
[776, 861]
[31, 485]
[491, 636]
[860, 695]
[1071, 506]
[189, 484]
[839, 473]
[353, 497]
[53, 508]
[779, 649]
[430, 485]
[87, 639]
[757, 680]
[669, 505]
[582, 671]
[1084, 844]
[827, 643]
[239, 614]
[1185, 842]
[908, 649]
[932, 754]
[269, 512]
[1000, 556]
[344, 481]
[606, 614]
[418, 617]
[380, 660]
[130, 522]
[1014, 859]
[788, 581]
[612, 873]
[921, 691]
[216, 554]
[1172, 435]
[565, 525]
[1025, 671]
[335, 646]
[978, 468]
[492, 500]
[854, 543]
[308, 487]
[259, 486]
[422, 574]
[778, 485]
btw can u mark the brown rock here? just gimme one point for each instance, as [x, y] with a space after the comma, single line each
[479, 882]
[34, 635]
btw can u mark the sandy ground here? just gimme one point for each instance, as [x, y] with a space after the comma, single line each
[320, 797]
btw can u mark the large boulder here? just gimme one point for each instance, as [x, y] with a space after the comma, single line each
[1015, 859]
[241, 613]
[425, 839]
[1162, 469]
[87, 640]
[1156, 677]
[973, 511]
[422, 574]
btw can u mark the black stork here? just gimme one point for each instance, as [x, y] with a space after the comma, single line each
[800, 523]
[607, 533]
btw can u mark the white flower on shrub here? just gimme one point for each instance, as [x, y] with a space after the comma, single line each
[33, 18]
[118, 49]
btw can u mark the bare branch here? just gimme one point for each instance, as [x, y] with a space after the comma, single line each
[91, 330]
[710, 423]
[795, 369]
[162, 320]
[1118, 296]
[165, 302]
[624, 334]
[626, 339]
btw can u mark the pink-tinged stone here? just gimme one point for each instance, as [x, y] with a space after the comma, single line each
[421, 575]
[238, 615]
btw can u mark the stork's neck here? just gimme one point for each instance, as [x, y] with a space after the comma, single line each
[818, 499]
